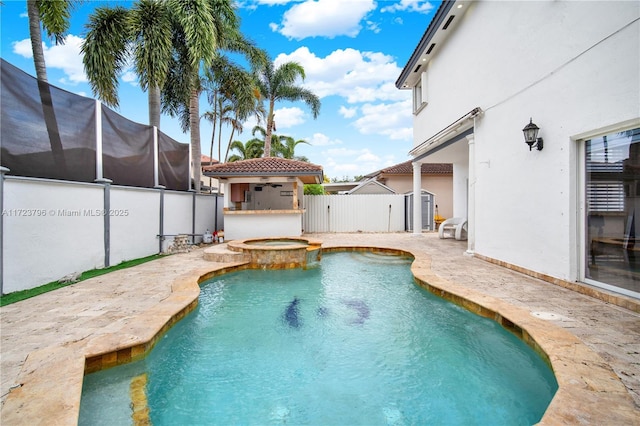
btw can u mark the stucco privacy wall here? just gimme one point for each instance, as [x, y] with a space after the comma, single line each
[55, 228]
[133, 229]
[571, 66]
[178, 218]
[46, 234]
[205, 213]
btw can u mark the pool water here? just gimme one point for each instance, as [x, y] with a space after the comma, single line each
[354, 341]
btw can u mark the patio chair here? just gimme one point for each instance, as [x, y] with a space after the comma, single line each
[455, 227]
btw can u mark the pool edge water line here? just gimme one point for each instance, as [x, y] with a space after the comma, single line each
[589, 392]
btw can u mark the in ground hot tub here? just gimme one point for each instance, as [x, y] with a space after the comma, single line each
[279, 253]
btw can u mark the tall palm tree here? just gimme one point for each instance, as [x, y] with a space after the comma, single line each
[202, 28]
[222, 114]
[232, 93]
[116, 35]
[54, 16]
[253, 148]
[278, 84]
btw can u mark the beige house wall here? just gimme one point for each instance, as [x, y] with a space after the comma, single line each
[440, 186]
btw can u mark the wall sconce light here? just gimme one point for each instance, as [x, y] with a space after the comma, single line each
[531, 136]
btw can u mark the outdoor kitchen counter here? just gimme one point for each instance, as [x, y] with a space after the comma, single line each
[292, 211]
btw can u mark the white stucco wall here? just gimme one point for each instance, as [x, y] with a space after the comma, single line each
[241, 226]
[49, 231]
[55, 228]
[574, 68]
[205, 214]
[134, 223]
[177, 215]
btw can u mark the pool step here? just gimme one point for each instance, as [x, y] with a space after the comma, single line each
[221, 253]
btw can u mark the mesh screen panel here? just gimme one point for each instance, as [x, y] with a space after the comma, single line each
[58, 143]
[173, 163]
[127, 150]
[48, 132]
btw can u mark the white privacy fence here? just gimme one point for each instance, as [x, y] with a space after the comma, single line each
[51, 228]
[353, 213]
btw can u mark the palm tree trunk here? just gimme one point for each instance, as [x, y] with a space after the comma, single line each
[267, 138]
[45, 91]
[213, 122]
[154, 106]
[36, 40]
[226, 154]
[194, 125]
[220, 138]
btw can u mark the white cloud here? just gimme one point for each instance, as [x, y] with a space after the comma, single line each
[420, 6]
[253, 4]
[288, 117]
[66, 57]
[347, 112]
[325, 18]
[130, 77]
[373, 27]
[393, 120]
[345, 162]
[354, 75]
[368, 156]
[320, 139]
[23, 48]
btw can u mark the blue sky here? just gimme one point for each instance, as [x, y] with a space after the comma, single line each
[352, 52]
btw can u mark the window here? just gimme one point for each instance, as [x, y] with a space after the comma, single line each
[612, 194]
[420, 93]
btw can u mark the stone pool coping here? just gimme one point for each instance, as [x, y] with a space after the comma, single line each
[51, 377]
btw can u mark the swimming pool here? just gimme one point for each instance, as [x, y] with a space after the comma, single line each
[353, 341]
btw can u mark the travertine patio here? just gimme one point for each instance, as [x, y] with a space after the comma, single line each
[593, 345]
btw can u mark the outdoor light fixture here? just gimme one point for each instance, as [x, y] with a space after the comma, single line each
[531, 136]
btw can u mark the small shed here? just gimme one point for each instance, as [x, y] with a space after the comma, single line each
[263, 196]
[371, 186]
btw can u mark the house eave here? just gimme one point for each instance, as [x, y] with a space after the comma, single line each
[459, 126]
[448, 13]
[305, 177]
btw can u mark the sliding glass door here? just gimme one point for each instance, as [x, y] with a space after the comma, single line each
[613, 211]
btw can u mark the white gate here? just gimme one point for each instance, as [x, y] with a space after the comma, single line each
[354, 213]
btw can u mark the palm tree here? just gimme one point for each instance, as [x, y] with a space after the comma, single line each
[222, 113]
[253, 148]
[201, 29]
[279, 85]
[54, 16]
[286, 147]
[116, 35]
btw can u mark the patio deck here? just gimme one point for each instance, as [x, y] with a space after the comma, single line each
[593, 345]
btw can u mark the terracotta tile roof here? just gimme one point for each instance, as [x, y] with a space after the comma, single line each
[270, 166]
[407, 169]
[205, 159]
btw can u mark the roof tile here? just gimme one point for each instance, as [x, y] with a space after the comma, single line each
[268, 165]
[406, 168]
